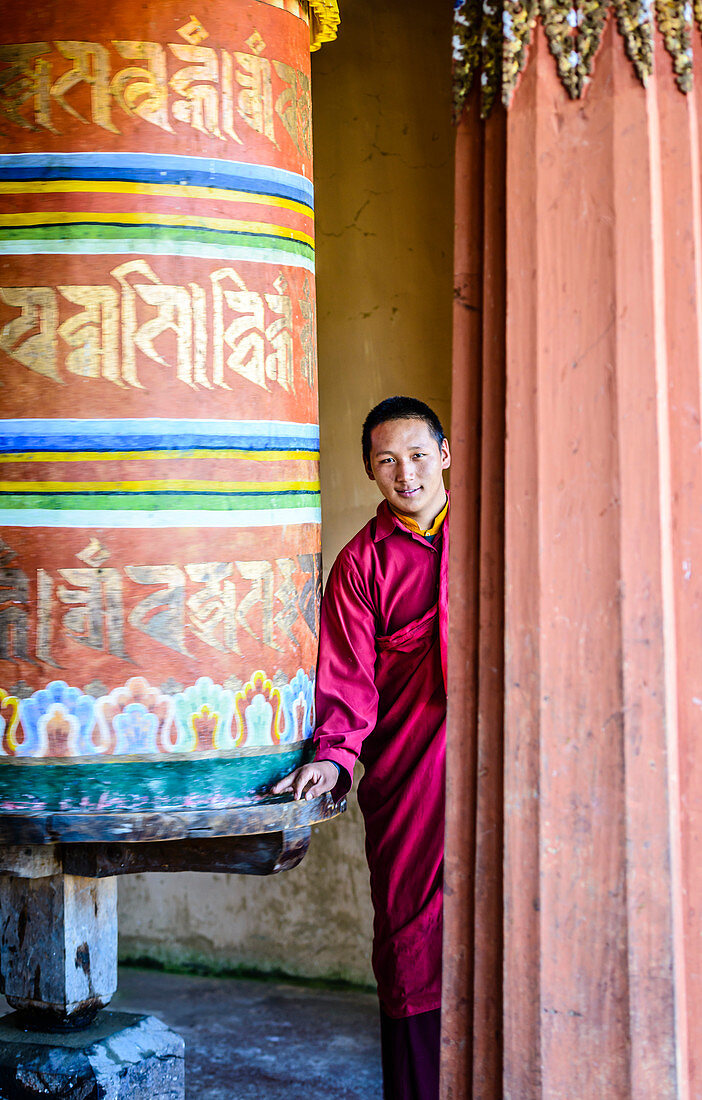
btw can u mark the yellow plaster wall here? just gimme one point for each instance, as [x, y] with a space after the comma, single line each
[384, 179]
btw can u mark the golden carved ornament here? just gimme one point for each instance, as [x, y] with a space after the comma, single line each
[491, 38]
[324, 21]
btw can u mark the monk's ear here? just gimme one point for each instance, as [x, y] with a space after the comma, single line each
[445, 454]
[367, 465]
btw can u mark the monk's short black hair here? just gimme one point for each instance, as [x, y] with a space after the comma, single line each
[399, 408]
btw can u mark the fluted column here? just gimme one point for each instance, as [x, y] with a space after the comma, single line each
[601, 994]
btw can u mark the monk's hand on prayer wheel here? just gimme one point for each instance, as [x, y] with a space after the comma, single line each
[309, 781]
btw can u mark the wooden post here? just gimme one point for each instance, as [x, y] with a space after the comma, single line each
[602, 984]
[58, 968]
[58, 949]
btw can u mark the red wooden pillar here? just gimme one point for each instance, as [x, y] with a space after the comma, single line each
[596, 966]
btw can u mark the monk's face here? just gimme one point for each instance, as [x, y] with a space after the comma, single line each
[407, 464]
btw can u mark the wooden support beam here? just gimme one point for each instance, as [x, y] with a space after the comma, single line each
[259, 854]
[58, 947]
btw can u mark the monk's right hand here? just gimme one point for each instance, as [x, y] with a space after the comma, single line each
[309, 781]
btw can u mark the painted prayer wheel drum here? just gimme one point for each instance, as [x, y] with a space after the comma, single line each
[160, 553]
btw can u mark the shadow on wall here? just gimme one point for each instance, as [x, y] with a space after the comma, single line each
[314, 921]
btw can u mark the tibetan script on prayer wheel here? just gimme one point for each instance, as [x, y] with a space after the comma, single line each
[159, 492]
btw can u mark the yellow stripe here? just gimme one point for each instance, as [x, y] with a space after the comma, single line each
[164, 190]
[156, 486]
[135, 456]
[63, 217]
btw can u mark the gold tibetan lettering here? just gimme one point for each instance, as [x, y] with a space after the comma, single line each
[91, 66]
[260, 573]
[308, 334]
[310, 600]
[199, 303]
[294, 106]
[42, 95]
[228, 97]
[243, 335]
[279, 362]
[14, 608]
[174, 314]
[93, 334]
[213, 610]
[143, 90]
[20, 82]
[31, 339]
[199, 106]
[255, 100]
[45, 592]
[96, 616]
[160, 615]
[286, 593]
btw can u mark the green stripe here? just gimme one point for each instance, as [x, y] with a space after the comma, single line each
[157, 502]
[153, 232]
[145, 786]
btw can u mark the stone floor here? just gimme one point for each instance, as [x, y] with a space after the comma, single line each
[262, 1040]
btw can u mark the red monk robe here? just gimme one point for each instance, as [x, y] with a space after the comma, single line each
[381, 698]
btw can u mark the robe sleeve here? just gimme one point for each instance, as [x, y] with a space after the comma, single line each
[346, 695]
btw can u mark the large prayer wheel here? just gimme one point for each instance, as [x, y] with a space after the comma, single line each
[159, 494]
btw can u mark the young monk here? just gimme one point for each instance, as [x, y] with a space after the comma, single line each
[381, 697]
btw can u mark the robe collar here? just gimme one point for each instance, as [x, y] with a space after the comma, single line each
[386, 521]
[414, 527]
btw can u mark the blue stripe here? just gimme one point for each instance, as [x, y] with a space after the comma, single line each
[154, 433]
[158, 168]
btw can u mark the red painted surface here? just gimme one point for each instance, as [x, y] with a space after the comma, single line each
[602, 992]
[472, 1009]
[285, 39]
[459, 858]
[156, 267]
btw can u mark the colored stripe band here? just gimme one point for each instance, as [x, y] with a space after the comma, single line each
[158, 168]
[136, 233]
[89, 518]
[147, 501]
[148, 246]
[155, 433]
[151, 190]
[156, 456]
[253, 488]
[81, 220]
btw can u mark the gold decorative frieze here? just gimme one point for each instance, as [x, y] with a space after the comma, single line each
[492, 37]
[324, 20]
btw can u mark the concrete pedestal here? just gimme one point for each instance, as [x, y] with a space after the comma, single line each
[120, 1056]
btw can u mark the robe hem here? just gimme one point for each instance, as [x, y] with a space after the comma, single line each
[410, 1010]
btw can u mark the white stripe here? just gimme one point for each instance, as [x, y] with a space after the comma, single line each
[128, 247]
[264, 517]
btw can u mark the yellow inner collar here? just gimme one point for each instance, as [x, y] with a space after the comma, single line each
[412, 525]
